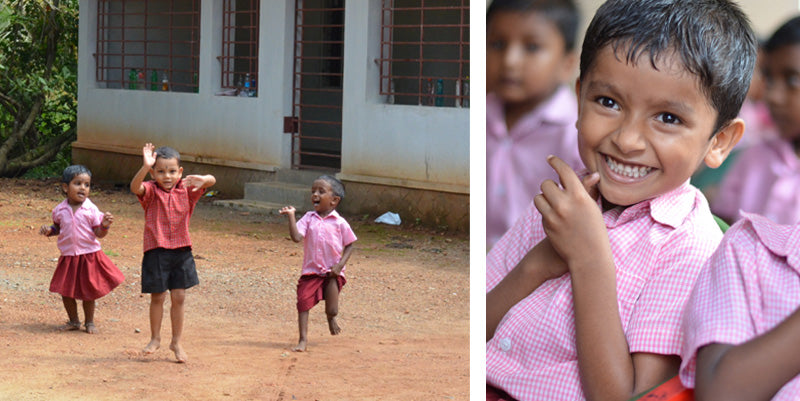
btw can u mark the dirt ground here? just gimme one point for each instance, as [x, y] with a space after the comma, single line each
[404, 313]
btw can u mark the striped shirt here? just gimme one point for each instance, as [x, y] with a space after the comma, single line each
[658, 247]
[166, 215]
[749, 286]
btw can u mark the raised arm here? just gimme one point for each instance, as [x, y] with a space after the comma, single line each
[293, 233]
[148, 160]
[200, 181]
[608, 370]
[753, 370]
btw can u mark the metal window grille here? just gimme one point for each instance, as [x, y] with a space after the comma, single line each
[425, 52]
[148, 44]
[240, 46]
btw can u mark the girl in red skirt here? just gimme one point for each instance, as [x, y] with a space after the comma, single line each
[84, 272]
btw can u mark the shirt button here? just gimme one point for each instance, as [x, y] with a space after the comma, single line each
[505, 344]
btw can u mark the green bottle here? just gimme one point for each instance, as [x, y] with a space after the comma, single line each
[154, 80]
[132, 78]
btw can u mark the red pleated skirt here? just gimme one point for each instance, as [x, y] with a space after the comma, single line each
[86, 277]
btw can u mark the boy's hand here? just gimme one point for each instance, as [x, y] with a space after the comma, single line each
[45, 230]
[571, 218]
[288, 210]
[149, 154]
[194, 181]
[335, 270]
[108, 218]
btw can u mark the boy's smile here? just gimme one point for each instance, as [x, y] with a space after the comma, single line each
[645, 130]
[323, 198]
[166, 172]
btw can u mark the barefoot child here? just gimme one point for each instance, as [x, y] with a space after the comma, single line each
[84, 272]
[327, 245]
[168, 264]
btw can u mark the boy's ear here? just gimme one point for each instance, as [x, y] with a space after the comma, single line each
[64, 187]
[723, 142]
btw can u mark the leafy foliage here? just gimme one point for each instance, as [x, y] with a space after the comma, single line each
[38, 83]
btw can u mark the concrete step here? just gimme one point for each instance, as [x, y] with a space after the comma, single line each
[254, 206]
[297, 195]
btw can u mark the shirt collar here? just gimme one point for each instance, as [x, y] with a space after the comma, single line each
[85, 205]
[670, 208]
[782, 240]
[333, 214]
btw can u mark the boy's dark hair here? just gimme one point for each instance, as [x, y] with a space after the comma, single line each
[787, 34]
[167, 152]
[712, 37]
[336, 186]
[563, 13]
[71, 171]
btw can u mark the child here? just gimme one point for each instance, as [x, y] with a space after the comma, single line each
[742, 322]
[530, 111]
[586, 291]
[327, 245]
[168, 264]
[84, 272]
[765, 179]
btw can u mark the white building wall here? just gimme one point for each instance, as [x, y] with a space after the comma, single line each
[407, 146]
[411, 146]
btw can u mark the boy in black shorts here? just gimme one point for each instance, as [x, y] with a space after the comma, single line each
[168, 264]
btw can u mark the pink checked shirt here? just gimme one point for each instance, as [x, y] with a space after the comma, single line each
[76, 230]
[764, 179]
[166, 215]
[749, 285]
[658, 248]
[324, 240]
[516, 160]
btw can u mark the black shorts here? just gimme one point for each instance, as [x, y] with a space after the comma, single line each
[168, 269]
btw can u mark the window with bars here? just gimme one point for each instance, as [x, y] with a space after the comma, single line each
[240, 46]
[148, 44]
[424, 56]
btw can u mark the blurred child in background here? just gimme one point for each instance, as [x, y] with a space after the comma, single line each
[530, 111]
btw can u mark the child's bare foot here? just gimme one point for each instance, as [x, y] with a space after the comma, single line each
[300, 347]
[151, 347]
[180, 355]
[333, 326]
[70, 326]
[90, 328]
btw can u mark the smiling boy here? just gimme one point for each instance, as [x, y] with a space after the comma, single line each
[585, 292]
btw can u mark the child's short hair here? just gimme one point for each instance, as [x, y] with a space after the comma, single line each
[336, 185]
[74, 170]
[712, 37]
[167, 152]
[787, 34]
[563, 13]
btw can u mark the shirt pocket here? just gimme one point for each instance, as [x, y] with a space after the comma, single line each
[629, 289]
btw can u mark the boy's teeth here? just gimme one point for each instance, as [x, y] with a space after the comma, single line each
[628, 171]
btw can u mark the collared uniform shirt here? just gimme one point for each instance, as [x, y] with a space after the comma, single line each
[76, 230]
[516, 159]
[166, 215]
[749, 286]
[764, 179]
[658, 247]
[324, 240]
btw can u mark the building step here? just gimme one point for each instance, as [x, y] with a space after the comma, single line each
[254, 206]
[297, 195]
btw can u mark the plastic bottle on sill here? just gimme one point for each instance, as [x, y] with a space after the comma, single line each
[132, 77]
[429, 93]
[439, 92]
[465, 93]
[164, 82]
[140, 80]
[253, 87]
[246, 91]
[154, 80]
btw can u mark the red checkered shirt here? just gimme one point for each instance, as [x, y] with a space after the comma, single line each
[166, 215]
[749, 286]
[658, 248]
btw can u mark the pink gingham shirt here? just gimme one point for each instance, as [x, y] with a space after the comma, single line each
[76, 230]
[658, 248]
[166, 215]
[749, 286]
[764, 179]
[324, 240]
[516, 159]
